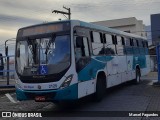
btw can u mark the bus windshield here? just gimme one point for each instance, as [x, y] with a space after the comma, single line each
[43, 56]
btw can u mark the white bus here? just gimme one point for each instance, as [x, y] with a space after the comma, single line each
[68, 60]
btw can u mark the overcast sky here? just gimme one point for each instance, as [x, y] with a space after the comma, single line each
[15, 14]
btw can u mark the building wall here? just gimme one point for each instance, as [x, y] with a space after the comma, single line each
[149, 34]
[155, 28]
[125, 24]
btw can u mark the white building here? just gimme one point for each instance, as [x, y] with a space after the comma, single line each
[131, 25]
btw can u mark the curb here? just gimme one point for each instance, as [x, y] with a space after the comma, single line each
[4, 91]
[156, 84]
[7, 86]
[7, 89]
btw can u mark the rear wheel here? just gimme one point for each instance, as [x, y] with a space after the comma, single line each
[137, 80]
[100, 89]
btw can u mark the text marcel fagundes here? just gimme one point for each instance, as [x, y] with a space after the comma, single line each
[143, 115]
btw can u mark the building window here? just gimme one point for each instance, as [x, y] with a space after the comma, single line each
[128, 31]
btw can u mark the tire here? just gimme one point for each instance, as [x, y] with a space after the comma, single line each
[137, 80]
[100, 89]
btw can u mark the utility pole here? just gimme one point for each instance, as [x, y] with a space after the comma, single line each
[64, 13]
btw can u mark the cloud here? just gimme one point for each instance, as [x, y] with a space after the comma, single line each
[9, 33]
[19, 13]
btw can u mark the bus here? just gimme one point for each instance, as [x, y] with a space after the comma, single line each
[71, 59]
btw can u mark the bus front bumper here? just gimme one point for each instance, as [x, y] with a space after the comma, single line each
[68, 93]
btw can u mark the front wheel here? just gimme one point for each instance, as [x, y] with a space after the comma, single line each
[100, 89]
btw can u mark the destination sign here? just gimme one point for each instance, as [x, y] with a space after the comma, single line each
[42, 29]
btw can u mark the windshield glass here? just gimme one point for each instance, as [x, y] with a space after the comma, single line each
[43, 56]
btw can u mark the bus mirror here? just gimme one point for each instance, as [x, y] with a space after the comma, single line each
[79, 42]
[18, 52]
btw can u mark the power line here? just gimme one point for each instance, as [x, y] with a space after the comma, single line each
[64, 13]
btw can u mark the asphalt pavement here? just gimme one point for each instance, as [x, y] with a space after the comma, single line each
[4, 88]
[140, 98]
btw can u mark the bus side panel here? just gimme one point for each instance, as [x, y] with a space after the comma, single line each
[130, 71]
[146, 69]
[69, 93]
[115, 68]
[87, 76]
[86, 88]
[122, 68]
[143, 62]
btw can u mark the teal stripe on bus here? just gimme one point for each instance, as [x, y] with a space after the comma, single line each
[139, 60]
[90, 71]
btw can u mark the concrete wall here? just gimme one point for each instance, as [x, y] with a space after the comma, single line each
[125, 24]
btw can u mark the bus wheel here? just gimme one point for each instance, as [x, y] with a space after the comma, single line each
[137, 80]
[100, 89]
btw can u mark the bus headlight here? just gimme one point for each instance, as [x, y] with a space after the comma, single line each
[67, 81]
[17, 84]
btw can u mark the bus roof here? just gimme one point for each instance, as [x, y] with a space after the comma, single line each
[93, 26]
[111, 30]
[53, 22]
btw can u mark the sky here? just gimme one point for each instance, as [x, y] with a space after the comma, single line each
[15, 14]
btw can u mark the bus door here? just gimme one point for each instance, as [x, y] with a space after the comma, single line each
[112, 61]
[82, 53]
[121, 57]
[129, 52]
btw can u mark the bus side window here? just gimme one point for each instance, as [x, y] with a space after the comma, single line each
[82, 48]
[141, 49]
[91, 36]
[143, 46]
[146, 47]
[119, 46]
[104, 39]
[128, 46]
[135, 48]
[82, 54]
[101, 37]
[123, 41]
[109, 46]
[86, 46]
[97, 45]
[137, 43]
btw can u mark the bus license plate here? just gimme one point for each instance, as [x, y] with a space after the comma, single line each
[40, 98]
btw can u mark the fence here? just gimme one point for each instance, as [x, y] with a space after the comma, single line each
[7, 71]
